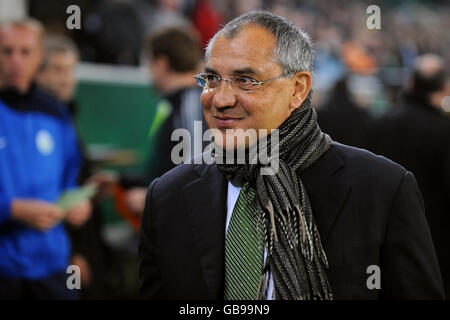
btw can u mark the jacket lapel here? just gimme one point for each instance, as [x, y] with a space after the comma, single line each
[326, 191]
[206, 210]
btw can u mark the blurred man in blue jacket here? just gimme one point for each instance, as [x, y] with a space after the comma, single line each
[39, 160]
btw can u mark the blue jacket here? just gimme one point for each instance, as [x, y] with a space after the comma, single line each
[39, 159]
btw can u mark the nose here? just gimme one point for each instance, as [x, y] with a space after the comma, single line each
[15, 59]
[224, 96]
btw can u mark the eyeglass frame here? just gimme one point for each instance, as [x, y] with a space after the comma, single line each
[230, 83]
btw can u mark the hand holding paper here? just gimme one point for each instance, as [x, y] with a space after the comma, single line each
[76, 203]
[76, 196]
[79, 214]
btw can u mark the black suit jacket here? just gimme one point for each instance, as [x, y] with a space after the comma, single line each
[417, 136]
[368, 209]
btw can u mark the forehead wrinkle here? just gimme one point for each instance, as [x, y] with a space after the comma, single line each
[253, 48]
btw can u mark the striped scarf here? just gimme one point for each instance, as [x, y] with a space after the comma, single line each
[295, 256]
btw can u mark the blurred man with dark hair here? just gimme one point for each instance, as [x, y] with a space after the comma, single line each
[417, 136]
[342, 118]
[174, 57]
[39, 160]
[174, 54]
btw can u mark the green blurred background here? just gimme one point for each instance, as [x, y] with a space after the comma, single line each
[116, 116]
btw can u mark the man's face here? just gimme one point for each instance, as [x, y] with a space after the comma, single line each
[20, 56]
[249, 54]
[58, 76]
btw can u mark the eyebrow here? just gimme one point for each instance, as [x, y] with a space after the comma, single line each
[236, 72]
[209, 70]
[248, 71]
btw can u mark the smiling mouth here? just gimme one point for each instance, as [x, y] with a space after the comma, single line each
[226, 122]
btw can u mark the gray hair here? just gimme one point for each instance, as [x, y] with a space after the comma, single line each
[27, 23]
[57, 43]
[293, 52]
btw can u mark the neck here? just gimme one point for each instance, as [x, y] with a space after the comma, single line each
[23, 89]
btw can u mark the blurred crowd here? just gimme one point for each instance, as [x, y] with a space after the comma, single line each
[113, 32]
[386, 90]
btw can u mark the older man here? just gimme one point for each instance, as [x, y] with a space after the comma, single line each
[39, 160]
[57, 72]
[331, 222]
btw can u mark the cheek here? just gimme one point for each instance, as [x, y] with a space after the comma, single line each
[63, 78]
[51, 79]
[32, 65]
[206, 99]
[258, 109]
[268, 113]
[4, 64]
[70, 83]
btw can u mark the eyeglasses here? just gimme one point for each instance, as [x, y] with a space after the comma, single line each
[213, 81]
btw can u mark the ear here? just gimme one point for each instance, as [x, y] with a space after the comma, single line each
[301, 84]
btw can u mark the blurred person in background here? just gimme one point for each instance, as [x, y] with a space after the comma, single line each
[57, 77]
[343, 119]
[344, 115]
[57, 71]
[39, 160]
[174, 57]
[417, 136]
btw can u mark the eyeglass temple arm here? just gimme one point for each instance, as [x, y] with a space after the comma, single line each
[267, 80]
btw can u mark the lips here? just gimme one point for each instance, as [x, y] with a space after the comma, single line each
[226, 122]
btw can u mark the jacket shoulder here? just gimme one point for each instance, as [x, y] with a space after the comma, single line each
[173, 180]
[363, 165]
